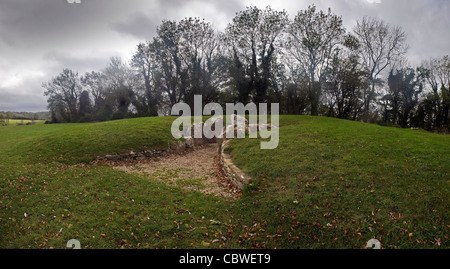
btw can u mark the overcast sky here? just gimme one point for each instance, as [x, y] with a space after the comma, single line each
[38, 38]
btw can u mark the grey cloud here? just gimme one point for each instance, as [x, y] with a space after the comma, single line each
[138, 24]
[142, 24]
[81, 64]
[22, 103]
[41, 37]
[23, 99]
[425, 22]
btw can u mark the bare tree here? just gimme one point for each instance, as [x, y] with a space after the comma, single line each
[64, 92]
[199, 53]
[253, 38]
[380, 46]
[118, 74]
[144, 61]
[94, 83]
[312, 38]
[345, 81]
[121, 84]
[171, 74]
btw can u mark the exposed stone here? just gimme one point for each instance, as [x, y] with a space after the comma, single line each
[202, 165]
[175, 148]
[252, 128]
[236, 176]
[239, 179]
[236, 119]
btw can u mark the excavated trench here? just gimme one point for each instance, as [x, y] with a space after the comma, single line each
[194, 164]
[198, 169]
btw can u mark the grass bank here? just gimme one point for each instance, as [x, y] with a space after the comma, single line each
[330, 184]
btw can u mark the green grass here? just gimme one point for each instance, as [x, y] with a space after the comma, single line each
[24, 122]
[337, 183]
[330, 184]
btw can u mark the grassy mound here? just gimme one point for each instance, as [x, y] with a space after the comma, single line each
[82, 142]
[330, 184]
[339, 181]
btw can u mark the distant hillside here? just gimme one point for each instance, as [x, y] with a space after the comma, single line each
[45, 115]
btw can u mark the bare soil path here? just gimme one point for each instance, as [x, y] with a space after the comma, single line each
[197, 170]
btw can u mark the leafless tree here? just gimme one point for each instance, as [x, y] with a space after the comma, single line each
[253, 39]
[63, 92]
[312, 38]
[380, 46]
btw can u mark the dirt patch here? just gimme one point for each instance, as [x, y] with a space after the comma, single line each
[197, 170]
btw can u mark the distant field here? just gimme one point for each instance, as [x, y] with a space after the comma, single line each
[330, 184]
[24, 122]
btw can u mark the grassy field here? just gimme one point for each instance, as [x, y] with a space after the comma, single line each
[330, 184]
[12, 122]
